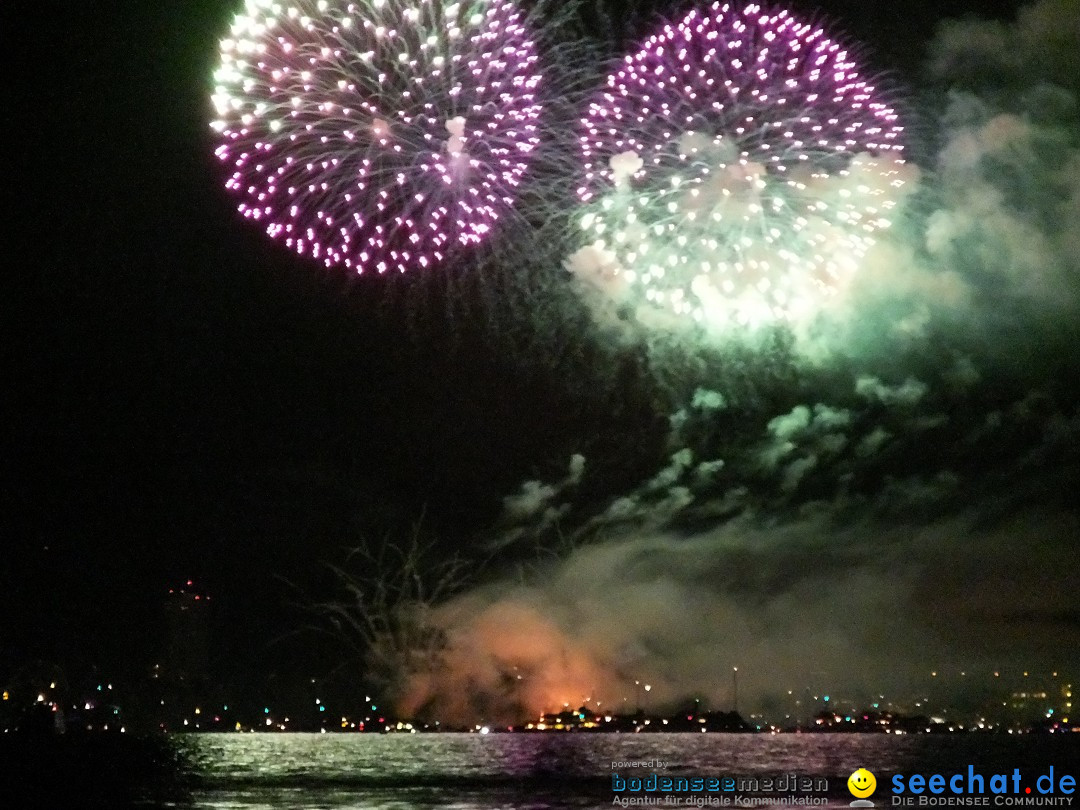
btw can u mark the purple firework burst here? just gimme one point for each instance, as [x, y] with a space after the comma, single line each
[379, 134]
[734, 166]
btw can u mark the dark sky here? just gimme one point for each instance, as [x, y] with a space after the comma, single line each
[185, 399]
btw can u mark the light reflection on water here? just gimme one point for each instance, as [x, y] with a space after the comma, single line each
[540, 771]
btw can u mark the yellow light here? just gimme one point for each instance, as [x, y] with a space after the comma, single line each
[6, 695]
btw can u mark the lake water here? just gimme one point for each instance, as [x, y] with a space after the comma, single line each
[538, 771]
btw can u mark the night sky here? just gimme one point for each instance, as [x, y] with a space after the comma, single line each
[186, 399]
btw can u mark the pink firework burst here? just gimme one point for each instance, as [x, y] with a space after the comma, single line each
[381, 134]
[735, 167]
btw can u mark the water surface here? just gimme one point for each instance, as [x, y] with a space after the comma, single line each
[541, 771]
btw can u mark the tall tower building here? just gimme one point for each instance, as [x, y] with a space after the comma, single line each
[187, 641]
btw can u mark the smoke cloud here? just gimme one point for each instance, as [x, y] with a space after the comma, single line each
[888, 498]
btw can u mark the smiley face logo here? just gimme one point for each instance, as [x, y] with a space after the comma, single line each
[861, 783]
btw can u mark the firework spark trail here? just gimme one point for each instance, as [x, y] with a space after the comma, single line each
[735, 169]
[378, 134]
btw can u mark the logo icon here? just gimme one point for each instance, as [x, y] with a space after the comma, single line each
[862, 785]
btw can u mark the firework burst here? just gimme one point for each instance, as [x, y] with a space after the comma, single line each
[735, 169]
[380, 134]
